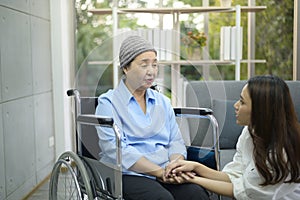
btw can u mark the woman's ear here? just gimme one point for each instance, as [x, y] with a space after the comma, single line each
[125, 70]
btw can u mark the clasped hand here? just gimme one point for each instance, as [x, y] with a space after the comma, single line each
[177, 172]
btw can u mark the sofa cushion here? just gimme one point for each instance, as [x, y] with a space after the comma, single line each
[294, 87]
[229, 130]
[226, 156]
[201, 94]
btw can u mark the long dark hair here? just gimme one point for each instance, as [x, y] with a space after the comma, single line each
[275, 130]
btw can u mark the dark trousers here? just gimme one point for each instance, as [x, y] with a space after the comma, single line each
[143, 188]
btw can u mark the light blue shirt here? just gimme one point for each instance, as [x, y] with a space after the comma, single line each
[154, 134]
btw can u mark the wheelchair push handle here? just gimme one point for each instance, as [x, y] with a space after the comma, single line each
[89, 119]
[72, 92]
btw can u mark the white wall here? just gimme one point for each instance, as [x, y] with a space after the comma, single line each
[63, 62]
[35, 71]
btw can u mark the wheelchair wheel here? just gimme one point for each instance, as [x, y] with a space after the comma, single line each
[69, 179]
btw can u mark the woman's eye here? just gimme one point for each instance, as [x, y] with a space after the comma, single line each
[241, 101]
[153, 65]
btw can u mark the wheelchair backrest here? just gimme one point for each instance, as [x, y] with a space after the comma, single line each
[89, 138]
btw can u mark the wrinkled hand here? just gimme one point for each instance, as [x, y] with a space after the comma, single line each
[169, 179]
[183, 177]
[176, 178]
[179, 171]
[177, 167]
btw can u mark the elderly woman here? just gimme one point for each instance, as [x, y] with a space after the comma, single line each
[267, 162]
[150, 136]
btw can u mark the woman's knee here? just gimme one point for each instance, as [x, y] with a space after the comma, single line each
[150, 195]
[162, 195]
[137, 188]
[197, 193]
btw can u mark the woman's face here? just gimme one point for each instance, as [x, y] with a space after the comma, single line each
[142, 71]
[243, 108]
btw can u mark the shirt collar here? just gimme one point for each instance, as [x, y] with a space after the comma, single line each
[124, 92]
[150, 94]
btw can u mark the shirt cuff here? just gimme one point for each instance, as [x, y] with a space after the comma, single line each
[238, 188]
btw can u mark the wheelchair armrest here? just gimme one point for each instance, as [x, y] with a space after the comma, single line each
[212, 154]
[192, 111]
[95, 120]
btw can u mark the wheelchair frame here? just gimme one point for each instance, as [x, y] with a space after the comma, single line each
[87, 181]
[87, 178]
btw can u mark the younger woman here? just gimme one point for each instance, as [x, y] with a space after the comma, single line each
[268, 151]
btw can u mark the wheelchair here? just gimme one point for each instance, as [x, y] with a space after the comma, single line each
[82, 174]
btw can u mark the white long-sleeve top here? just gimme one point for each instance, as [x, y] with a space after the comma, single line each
[246, 180]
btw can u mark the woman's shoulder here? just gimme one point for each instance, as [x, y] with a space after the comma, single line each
[106, 95]
[245, 139]
[245, 133]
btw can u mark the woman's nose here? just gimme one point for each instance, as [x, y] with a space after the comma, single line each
[235, 105]
[151, 69]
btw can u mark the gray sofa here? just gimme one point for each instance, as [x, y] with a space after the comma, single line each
[220, 97]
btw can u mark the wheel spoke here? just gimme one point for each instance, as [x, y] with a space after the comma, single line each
[69, 179]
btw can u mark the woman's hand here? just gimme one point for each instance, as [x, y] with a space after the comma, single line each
[176, 168]
[180, 178]
[185, 177]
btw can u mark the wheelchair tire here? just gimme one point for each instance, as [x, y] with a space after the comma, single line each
[69, 179]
